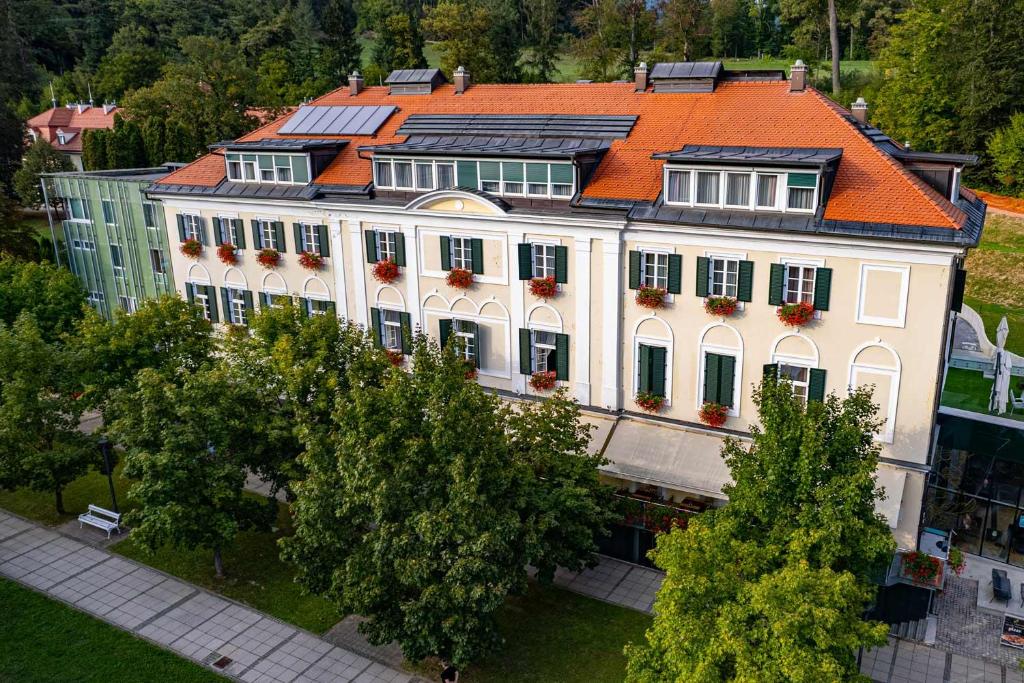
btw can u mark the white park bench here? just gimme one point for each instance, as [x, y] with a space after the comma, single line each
[101, 518]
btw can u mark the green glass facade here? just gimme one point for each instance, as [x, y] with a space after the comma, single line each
[112, 236]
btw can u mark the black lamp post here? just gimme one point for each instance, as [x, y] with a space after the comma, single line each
[108, 467]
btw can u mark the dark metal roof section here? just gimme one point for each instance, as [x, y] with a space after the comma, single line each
[227, 188]
[414, 81]
[477, 146]
[525, 125]
[781, 156]
[336, 120]
[279, 145]
[754, 75]
[686, 76]
[898, 151]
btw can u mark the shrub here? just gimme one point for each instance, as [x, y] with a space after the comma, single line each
[1006, 147]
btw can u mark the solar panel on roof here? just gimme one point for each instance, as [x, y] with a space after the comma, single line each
[336, 120]
[686, 70]
[413, 76]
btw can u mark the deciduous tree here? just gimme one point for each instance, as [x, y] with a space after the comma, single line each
[54, 296]
[41, 157]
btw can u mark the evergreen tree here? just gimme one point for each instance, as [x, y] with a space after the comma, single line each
[94, 149]
[40, 158]
[543, 39]
[341, 52]
[398, 42]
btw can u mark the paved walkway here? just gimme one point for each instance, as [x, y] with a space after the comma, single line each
[176, 615]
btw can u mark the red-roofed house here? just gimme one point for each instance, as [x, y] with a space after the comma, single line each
[654, 245]
[63, 126]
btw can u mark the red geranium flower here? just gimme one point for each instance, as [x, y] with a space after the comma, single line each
[650, 297]
[226, 253]
[542, 381]
[191, 248]
[714, 414]
[385, 271]
[649, 402]
[544, 287]
[720, 305]
[310, 260]
[268, 258]
[460, 278]
[796, 315]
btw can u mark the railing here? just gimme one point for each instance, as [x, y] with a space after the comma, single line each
[654, 516]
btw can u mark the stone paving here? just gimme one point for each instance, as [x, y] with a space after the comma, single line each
[177, 615]
[614, 581]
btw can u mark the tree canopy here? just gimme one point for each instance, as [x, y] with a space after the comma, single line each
[40, 158]
[53, 295]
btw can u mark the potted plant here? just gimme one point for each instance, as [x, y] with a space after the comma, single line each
[720, 305]
[310, 260]
[650, 297]
[396, 358]
[544, 287]
[797, 314]
[227, 254]
[268, 258]
[649, 402]
[191, 248]
[956, 560]
[921, 567]
[385, 271]
[714, 414]
[470, 370]
[460, 278]
[543, 381]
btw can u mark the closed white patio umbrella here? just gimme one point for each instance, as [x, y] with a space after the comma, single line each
[1004, 365]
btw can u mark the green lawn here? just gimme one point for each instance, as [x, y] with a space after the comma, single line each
[994, 286]
[42, 641]
[970, 390]
[254, 573]
[92, 488]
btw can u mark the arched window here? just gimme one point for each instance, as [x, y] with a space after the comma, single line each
[876, 364]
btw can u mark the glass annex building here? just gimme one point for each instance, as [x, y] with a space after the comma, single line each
[976, 487]
[112, 236]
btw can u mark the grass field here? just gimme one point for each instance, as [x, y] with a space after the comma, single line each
[995, 286]
[92, 488]
[42, 641]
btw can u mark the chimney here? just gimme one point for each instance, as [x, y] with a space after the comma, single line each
[798, 77]
[355, 83]
[860, 110]
[461, 80]
[640, 77]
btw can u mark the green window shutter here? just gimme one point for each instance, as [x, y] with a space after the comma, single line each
[537, 173]
[816, 385]
[247, 296]
[770, 370]
[726, 372]
[512, 171]
[745, 287]
[297, 234]
[203, 237]
[822, 288]
[776, 284]
[712, 370]
[371, 245]
[190, 293]
[525, 352]
[218, 237]
[703, 273]
[400, 249]
[802, 180]
[444, 331]
[474, 329]
[525, 261]
[675, 274]
[645, 368]
[325, 242]
[304, 306]
[562, 264]
[300, 172]
[181, 227]
[225, 301]
[375, 325]
[467, 174]
[477, 250]
[446, 252]
[561, 173]
[490, 170]
[264, 300]
[634, 270]
[405, 320]
[562, 356]
[257, 234]
[332, 308]
[658, 368]
[239, 227]
[211, 297]
[279, 233]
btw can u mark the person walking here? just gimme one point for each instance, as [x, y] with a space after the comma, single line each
[450, 674]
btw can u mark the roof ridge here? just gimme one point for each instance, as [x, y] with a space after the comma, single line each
[169, 178]
[954, 214]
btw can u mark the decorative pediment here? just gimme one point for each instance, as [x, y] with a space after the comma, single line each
[459, 201]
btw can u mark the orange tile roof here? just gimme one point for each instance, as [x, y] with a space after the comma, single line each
[70, 120]
[870, 186]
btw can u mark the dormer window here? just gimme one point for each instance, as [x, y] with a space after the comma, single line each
[274, 169]
[507, 178]
[801, 190]
[746, 189]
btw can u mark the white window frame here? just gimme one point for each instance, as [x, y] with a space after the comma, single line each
[265, 225]
[201, 299]
[535, 345]
[814, 196]
[720, 185]
[466, 260]
[780, 205]
[231, 232]
[666, 344]
[83, 245]
[452, 162]
[688, 184]
[236, 306]
[795, 363]
[901, 318]
[95, 298]
[193, 226]
[724, 256]
[537, 268]
[657, 253]
[412, 174]
[775, 205]
[750, 188]
[468, 349]
[310, 237]
[387, 243]
[245, 167]
[391, 327]
[127, 303]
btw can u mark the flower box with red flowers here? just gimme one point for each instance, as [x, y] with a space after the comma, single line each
[396, 358]
[796, 315]
[649, 402]
[470, 371]
[310, 260]
[460, 278]
[227, 254]
[544, 287]
[268, 258]
[720, 305]
[713, 414]
[191, 248]
[543, 381]
[385, 271]
[921, 568]
[650, 297]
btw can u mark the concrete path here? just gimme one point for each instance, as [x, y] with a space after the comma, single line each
[614, 581]
[176, 615]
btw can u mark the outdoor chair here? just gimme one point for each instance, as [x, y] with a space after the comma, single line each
[1001, 586]
[1016, 401]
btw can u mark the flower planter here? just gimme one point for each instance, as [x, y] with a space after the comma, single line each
[227, 255]
[396, 358]
[922, 569]
[269, 258]
[714, 414]
[649, 402]
[796, 315]
[543, 287]
[311, 260]
[543, 381]
[956, 560]
[191, 248]
[720, 305]
[460, 278]
[650, 297]
[470, 371]
[385, 271]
